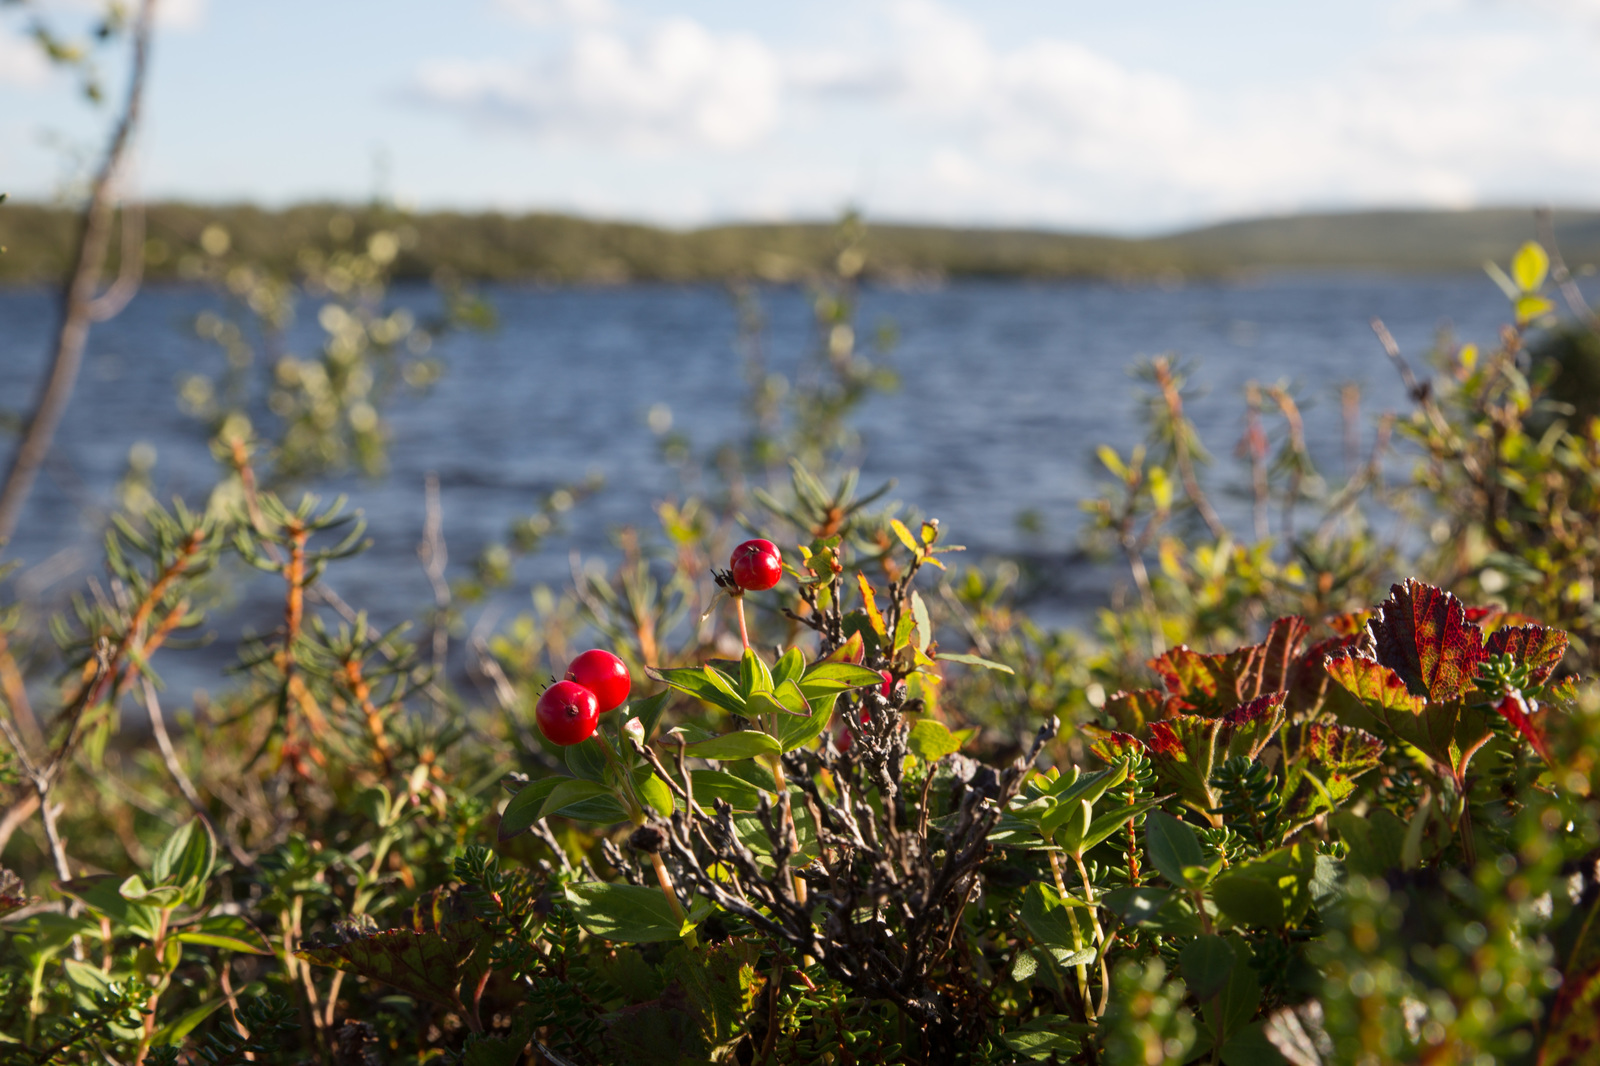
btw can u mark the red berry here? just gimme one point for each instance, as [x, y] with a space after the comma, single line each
[887, 688]
[567, 713]
[756, 565]
[844, 741]
[603, 674]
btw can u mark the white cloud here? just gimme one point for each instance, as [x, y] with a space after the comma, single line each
[560, 12]
[952, 125]
[680, 86]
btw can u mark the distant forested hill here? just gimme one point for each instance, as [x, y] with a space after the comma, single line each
[564, 249]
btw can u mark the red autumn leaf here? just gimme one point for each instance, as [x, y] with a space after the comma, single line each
[1255, 710]
[1308, 681]
[1110, 745]
[1515, 711]
[1132, 711]
[1183, 752]
[1251, 726]
[1422, 634]
[1212, 685]
[1448, 732]
[1195, 677]
[1275, 658]
[1344, 749]
[1534, 646]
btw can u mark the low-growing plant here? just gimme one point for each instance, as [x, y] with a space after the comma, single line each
[832, 802]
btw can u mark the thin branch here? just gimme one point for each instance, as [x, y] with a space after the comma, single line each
[79, 295]
[158, 726]
[1558, 267]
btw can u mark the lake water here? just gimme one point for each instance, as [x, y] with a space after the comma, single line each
[1006, 388]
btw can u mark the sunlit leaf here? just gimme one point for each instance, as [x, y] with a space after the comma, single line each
[1422, 634]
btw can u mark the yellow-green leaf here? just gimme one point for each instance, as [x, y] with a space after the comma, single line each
[1113, 462]
[1530, 266]
[905, 536]
[930, 741]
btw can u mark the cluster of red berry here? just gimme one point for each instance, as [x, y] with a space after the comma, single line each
[597, 681]
[569, 710]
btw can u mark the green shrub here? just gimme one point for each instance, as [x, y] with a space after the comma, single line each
[1269, 812]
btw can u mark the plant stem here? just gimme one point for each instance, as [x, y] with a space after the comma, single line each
[738, 609]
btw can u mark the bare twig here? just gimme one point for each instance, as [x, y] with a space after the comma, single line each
[158, 726]
[1558, 267]
[79, 296]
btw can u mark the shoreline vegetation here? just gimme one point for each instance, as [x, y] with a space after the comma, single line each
[564, 249]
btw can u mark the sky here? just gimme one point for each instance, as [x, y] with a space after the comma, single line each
[1131, 118]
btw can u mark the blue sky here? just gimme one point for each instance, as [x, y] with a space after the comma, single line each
[1131, 118]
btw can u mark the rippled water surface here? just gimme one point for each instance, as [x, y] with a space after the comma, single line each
[1006, 387]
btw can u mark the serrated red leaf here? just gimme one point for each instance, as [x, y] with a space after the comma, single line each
[1132, 711]
[1212, 685]
[1422, 634]
[1308, 680]
[1183, 752]
[1255, 710]
[1534, 646]
[1344, 749]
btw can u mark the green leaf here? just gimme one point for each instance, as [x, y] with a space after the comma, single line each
[1173, 847]
[101, 894]
[655, 794]
[798, 732]
[1167, 911]
[571, 791]
[1104, 825]
[704, 684]
[629, 914]
[1240, 998]
[1038, 1044]
[587, 760]
[1250, 1047]
[791, 667]
[825, 678]
[767, 703]
[744, 744]
[1044, 912]
[753, 674]
[1530, 266]
[974, 660]
[226, 931]
[134, 890]
[648, 711]
[1206, 964]
[1249, 901]
[523, 810]
[186, 860]
[1375, 840]
[712, 785]
[174, 1031]
[930, 741]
